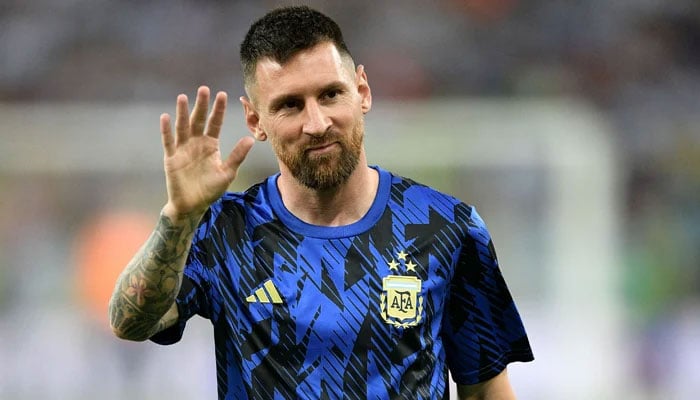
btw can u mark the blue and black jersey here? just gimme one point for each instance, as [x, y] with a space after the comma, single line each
[379, 309]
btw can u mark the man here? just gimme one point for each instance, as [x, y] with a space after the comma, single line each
[332, 278]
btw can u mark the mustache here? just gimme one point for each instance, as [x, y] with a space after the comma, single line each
[320, 141]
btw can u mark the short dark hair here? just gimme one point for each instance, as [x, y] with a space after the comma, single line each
[283, 32]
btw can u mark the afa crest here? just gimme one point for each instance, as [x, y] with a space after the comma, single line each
[402, 302]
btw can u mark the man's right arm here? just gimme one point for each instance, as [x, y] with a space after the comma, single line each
[143, 302]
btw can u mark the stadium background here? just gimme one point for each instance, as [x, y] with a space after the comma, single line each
[574, 127]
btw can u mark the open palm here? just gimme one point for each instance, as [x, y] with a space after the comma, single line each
[195, 173]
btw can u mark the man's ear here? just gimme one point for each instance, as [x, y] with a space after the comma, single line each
[252, 119]
[363, 89]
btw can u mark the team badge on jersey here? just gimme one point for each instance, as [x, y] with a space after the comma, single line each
[402, 302]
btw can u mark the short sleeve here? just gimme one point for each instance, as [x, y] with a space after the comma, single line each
[482, 329]
[190, 300]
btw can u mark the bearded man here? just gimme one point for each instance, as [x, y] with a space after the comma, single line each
[332, 278]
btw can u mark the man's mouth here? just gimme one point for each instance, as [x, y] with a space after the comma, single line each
[319, 149]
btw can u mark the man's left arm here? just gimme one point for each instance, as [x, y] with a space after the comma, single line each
[496, 388]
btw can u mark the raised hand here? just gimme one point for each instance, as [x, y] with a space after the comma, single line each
[143, 301]
[195, 173]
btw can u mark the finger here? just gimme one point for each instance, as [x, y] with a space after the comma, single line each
[166, 135]
[182, 123]
[239, 153]
[198, 118]
[216, 117]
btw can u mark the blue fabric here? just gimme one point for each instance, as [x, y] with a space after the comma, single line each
[378, 309]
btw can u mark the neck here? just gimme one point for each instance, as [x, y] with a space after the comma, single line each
[338, 206]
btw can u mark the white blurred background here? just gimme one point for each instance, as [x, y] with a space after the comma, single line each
[574, 127]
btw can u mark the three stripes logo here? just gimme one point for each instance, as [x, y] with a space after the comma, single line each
[266, 294]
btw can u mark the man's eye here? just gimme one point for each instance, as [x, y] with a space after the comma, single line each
[331, 94]
[290, 104]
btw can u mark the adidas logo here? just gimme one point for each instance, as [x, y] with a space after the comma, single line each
[266, 294]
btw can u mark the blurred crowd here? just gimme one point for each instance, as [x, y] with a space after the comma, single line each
[635, 61]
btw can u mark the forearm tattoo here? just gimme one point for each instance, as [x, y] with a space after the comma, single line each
[147, 287]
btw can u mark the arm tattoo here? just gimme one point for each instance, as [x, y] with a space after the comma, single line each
[147, 288]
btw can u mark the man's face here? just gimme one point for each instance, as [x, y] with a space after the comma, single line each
[312, 108]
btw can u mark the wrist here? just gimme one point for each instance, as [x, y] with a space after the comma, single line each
[175, 215]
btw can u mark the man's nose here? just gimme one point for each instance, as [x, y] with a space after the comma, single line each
[316, 122]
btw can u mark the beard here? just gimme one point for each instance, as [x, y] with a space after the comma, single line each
[325, 171]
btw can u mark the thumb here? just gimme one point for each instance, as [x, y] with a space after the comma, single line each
[239, 153]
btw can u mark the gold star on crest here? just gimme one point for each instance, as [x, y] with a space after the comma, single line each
[393, 265]
[401, 255]
[410, 266]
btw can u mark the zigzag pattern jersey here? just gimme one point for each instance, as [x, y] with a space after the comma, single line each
[378, 309]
